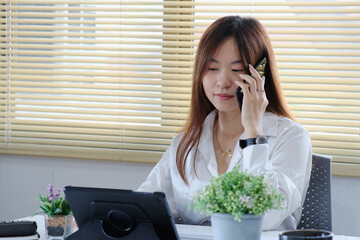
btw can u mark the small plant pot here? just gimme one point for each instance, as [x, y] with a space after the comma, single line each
[224, 227]
[59, 226]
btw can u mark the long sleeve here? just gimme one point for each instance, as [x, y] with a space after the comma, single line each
[287, 167]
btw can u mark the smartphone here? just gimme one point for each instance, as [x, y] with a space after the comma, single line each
[260, 68]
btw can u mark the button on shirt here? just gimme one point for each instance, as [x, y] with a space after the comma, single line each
[285, 160]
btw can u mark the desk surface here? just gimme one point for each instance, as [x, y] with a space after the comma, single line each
[186, 232]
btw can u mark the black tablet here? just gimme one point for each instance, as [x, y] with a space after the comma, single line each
[121, 214]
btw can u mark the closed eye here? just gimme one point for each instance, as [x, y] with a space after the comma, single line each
[212, 69]
[237, 70]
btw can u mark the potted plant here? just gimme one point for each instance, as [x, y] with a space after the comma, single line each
[236, 201]
[59, 219]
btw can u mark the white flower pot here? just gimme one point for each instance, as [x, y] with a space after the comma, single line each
[224, 227]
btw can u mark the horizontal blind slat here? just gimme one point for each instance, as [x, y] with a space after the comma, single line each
[342, 26]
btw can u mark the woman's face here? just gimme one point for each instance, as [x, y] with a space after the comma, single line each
[223, 69]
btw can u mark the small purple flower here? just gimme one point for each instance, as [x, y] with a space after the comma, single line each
[50, 191]
[57, 194]
[51, 197]
[50, 188]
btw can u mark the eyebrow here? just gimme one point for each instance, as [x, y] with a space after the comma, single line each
[234, 62]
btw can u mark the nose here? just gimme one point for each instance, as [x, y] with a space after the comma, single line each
[224, 79]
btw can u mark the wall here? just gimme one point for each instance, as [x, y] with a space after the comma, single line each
[23, 178]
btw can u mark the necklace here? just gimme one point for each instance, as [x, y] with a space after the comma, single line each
[226, 154]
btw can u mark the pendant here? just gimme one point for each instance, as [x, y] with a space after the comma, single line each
[228, 153]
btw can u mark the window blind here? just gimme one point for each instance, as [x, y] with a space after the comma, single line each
[111, 80]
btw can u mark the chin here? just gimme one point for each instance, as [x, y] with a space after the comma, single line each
[230, 106]
[228, 109]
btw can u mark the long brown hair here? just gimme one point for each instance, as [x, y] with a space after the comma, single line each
[253, 44]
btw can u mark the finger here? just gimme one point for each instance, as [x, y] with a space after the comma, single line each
[251, 81]
[244, 87]
[262, 83]
[253, 72]
[255, 75]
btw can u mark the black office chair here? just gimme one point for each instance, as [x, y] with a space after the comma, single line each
[316, 212]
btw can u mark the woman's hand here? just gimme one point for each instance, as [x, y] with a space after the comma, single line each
[254, 102]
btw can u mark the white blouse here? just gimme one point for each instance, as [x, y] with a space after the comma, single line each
[285, 160]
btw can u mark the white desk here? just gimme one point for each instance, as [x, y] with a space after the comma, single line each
[187, 232]
[191, 232]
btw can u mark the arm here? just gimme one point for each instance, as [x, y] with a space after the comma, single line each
[159, 180]
[287, 168]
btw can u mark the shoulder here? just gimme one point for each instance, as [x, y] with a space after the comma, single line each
[280, 126]
[288, 125]
[289, 137]
[207, 129]
[176, 139]
[175, 142]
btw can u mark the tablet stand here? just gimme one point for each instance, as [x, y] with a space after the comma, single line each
[93, 230]
[116, 222]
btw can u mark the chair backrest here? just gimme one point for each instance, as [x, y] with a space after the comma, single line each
[316, 212]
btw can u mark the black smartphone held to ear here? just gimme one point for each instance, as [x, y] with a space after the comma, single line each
[260, 68]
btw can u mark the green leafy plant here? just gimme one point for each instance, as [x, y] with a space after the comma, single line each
[53, 203]
[237, 193]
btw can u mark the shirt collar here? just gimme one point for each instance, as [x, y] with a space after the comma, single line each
[206, 140]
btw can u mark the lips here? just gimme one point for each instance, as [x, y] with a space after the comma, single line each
[224, 96]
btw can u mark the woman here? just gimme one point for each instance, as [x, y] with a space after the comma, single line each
[272, 143]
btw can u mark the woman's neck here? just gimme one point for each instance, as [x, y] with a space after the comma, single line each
[226, 132]
[229, 124]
